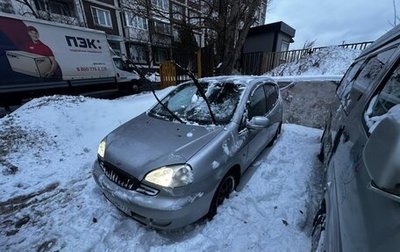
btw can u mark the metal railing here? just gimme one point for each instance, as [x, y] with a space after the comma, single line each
[262, 62]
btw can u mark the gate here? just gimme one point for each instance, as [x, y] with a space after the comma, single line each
[167, 74]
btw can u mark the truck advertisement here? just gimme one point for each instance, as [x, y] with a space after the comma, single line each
[38, 54]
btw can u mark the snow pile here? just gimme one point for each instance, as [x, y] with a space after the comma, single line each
[153, 77]
[50, 202]
[327, 61]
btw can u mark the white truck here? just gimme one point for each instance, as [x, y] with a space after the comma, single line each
[40, 57]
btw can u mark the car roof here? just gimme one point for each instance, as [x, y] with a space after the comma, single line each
[248, 80]
[389, 37]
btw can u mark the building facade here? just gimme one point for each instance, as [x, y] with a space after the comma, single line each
[145, 34]
[105, 15]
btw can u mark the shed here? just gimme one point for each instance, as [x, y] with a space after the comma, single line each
[262, 44]
[274, 37]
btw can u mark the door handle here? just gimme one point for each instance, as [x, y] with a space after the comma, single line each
[372, 186]
[346, 136]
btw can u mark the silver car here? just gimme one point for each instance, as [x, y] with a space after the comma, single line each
[360, 210]
[175, 163]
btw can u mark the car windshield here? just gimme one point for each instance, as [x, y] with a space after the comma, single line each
[187, 104]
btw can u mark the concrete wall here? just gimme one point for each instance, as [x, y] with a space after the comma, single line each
[309, 103]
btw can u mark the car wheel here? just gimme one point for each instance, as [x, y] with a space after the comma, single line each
[277, 133]
[225, 188]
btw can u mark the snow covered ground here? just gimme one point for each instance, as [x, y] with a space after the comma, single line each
[49, 201]
[331, 61]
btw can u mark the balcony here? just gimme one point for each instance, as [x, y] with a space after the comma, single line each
[135, 34]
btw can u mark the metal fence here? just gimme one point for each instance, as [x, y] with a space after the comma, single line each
[261, 62]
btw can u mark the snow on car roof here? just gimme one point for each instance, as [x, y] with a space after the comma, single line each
[239, 79]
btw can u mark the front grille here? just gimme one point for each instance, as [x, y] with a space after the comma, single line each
[118, 176]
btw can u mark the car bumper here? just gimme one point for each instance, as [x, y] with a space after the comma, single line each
[161, 211]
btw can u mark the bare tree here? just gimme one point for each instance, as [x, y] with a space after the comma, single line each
[225, 22]
[26, 8]
[231, 21]
[309, 44]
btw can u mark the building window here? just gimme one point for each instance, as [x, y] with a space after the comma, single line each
[135, 21]
[178, 12]
[284, 46]
[162, 28]
[115, 46]
[162, 4]
[139, 53]
[6, 6]
[259, 14]
[284, 49]
[194, 1]
[61, 8]
[194, 18]
[161, 55]
[64, 8]
[101, 17]
[175, 34]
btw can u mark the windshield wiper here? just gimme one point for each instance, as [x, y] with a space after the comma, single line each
[146, 81]
[202, 94]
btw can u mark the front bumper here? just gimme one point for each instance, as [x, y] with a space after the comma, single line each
[162, 211]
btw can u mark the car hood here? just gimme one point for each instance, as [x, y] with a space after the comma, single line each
[146, 143]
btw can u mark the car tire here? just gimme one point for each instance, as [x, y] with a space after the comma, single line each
[277, 134]
[225, 188]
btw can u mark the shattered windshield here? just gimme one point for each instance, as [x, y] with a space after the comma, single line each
[186, 103]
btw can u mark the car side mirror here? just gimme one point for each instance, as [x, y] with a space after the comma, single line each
[258, 122]
[381, 157]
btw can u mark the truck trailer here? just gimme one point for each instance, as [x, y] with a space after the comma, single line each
[38, 57]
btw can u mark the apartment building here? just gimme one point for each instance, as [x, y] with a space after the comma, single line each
[105, 15]
[149, 40]
[146, 38]
[61, 11]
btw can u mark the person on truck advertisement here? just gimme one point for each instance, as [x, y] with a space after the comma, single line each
[34, 52]
[38, 47]
[41, 57]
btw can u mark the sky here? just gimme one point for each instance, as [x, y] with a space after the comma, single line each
[330, 22]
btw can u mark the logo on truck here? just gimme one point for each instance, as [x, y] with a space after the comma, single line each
[83, 42]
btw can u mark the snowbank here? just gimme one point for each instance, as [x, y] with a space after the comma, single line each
[330, 61]
[153, 77]
[49, 201]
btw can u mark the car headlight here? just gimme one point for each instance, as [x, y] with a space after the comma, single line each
[102, 148]
[171, 176]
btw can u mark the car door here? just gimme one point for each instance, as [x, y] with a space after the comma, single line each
[357, 218]
[382, 214]
[257, 138]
